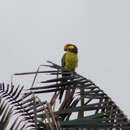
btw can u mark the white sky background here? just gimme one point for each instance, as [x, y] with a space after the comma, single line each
[34, 31]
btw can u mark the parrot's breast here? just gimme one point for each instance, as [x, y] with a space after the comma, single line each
[71, 61]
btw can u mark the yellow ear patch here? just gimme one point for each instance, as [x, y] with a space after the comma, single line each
[71, 47]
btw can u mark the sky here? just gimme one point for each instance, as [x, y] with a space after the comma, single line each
[34, 31]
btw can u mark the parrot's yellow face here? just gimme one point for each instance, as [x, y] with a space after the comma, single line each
[71, 48]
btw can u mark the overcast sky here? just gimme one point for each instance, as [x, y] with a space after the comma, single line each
[34, 31]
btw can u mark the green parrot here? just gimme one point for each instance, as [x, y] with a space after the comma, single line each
[69, 61]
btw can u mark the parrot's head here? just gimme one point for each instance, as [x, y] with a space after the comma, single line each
[71, 48]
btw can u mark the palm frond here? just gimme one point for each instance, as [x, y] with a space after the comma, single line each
[5, 114]
[23, 106]
[84, 105]
[95, 108]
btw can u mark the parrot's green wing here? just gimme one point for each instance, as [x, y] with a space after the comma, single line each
[63, 60]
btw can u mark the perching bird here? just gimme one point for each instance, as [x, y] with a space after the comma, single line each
[69, 61]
